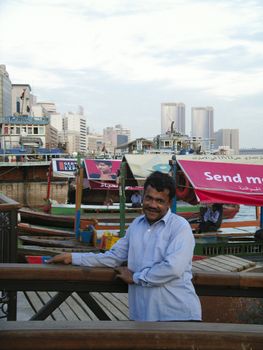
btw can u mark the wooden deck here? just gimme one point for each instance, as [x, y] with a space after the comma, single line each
[115, 305]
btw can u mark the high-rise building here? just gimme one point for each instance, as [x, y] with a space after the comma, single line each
[202, 125]
[5, 93]
[173, 118]
[75, 128]
[228, 137]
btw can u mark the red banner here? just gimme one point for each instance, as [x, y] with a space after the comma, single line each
[218, 182]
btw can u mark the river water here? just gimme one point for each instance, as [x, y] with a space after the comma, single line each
[245, 213]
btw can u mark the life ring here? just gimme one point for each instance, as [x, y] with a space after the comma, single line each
[183, 186]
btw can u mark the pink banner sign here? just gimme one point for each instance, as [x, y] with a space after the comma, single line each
[225, 182]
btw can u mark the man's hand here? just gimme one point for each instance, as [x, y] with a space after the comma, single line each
[64, 258]
[124, 274]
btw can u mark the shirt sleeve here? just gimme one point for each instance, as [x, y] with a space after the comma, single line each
[177, 260]
[111, 258]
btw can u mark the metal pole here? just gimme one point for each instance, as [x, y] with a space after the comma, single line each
[261, 217]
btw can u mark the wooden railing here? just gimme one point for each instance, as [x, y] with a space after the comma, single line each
[8, 244]
[84, 280]
[8, 223]
[129, 336]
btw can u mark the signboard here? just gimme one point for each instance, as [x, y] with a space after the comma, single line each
[225, 182]
[64, 167]
[102, 169]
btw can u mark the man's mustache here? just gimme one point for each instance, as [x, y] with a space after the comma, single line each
[152, 209]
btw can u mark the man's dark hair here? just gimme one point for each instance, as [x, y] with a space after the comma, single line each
[106, 162]
[160, 182]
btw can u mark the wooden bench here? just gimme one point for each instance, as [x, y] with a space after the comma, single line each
[129, 335]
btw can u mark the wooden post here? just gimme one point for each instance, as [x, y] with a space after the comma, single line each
[79, 186]
[122, 198]
[49, 181]
[173, 169]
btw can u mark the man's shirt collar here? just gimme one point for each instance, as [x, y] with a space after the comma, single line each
[165, 218]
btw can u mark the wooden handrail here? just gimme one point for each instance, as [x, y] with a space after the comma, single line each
[60, 273]
[129, 335]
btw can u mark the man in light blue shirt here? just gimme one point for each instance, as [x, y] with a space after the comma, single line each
[158, 248]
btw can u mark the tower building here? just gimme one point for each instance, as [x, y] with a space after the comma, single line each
[173, 118]
[228, 138]
[202, 125]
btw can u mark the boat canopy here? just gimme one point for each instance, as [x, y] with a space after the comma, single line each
[215, 179]
[226, 179]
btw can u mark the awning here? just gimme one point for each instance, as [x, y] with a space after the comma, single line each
[236, 179]
[142, 165]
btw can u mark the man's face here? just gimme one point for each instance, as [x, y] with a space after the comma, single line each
[104, 168]
[155, 204]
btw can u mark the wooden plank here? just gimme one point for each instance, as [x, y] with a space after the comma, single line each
[84, 307]
[233, 265]
[108, 308]
[219, 263]
[77, 309]
[122, 296]
[130, 335]
[24, 308]
[196, 266]
[199, 268]
[36, 302]
[121, 306]
[67, 311]
[248, 262]
[240, 266]
[210, 266]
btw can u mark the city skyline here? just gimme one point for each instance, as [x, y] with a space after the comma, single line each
[121, 60]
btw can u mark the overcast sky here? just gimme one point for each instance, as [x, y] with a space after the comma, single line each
[120, 59]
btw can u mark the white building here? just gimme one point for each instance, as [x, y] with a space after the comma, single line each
[228, 138]
[48, 107]
[22, 100]
[56, 120]
[75, 128]
[202, 125]
[5, 93]
[173, 117]
[96, 145]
